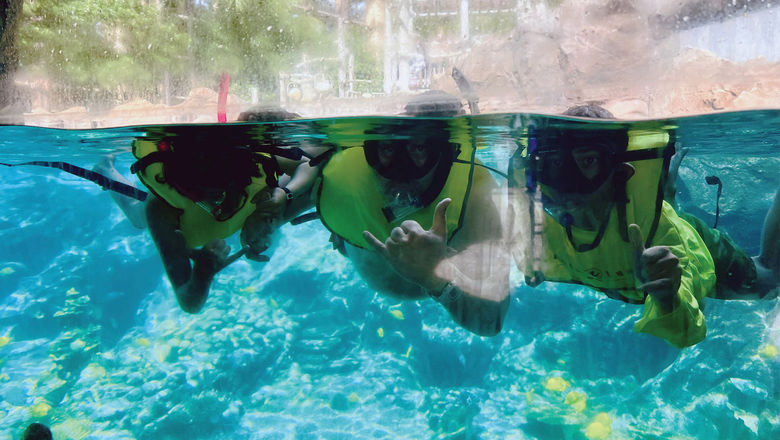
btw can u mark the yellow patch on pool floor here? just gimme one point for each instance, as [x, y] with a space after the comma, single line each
[557, 384]
[7, 271]
[161, 352]
[143, 342]
[74, 428]
[397, 314]
[768, 351]
[599, 428]
[577, 400]
[93, 372]
[40, 409]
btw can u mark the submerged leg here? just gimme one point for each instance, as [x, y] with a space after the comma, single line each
[768, 261]
[133, 209]
[739, 276]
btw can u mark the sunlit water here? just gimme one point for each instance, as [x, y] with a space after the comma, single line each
[93, 343]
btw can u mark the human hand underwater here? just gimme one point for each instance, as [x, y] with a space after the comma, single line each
[414, 252]
[256, 234]
[213, 257]
[657, 268]
[271, 202]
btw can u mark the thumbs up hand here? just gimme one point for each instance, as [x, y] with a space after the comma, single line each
[657, 268]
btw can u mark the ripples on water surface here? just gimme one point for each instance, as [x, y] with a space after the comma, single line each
[93, 343]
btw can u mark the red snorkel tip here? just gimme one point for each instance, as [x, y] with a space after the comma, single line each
[224, 85]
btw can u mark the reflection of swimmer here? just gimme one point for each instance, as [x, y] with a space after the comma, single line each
[738, 275]
[603, 228]
[37, 431]
[205, 193]
[416, 222]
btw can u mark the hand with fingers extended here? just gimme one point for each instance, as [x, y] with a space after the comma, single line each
[657, 268]
[414, 252]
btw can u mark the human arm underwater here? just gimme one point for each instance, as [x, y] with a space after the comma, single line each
[190, 281]
[673, 313]
[278, 205]
[302, 178]
[476, 299]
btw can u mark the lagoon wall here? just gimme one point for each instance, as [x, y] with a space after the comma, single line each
[751, 35]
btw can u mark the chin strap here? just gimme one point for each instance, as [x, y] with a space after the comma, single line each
[567, 222]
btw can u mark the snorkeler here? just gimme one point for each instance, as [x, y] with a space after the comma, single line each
[205, 192]
[417, 217]
[133, 207]
[739, 276]
[603, 223]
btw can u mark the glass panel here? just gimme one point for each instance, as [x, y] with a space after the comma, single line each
[389, 219]
[85, 64]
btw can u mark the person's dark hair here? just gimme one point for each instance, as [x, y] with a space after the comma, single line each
[37, 431]
[204, 165]
[434, 103]
[208, 164]
[588, 111]
[263, 113]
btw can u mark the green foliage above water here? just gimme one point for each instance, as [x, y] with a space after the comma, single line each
[157, 48]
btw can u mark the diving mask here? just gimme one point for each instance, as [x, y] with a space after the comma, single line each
[581, 170]
[571, 161]
[403, 160]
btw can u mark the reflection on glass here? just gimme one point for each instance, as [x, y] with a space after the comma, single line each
[366, 256]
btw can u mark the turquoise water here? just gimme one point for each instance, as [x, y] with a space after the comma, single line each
[93, 343]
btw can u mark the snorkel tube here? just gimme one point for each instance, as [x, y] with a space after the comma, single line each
[467, 90]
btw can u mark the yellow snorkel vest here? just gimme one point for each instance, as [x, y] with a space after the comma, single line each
[197, 225]
[349, 200]
[606, 267]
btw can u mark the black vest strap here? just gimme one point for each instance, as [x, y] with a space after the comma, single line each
[303, 218]
[567, 223]
[500, 173]
[322, 157]
[103, 181]
[142, 163]
[293, 153]
[668, 152]
[622, 198]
